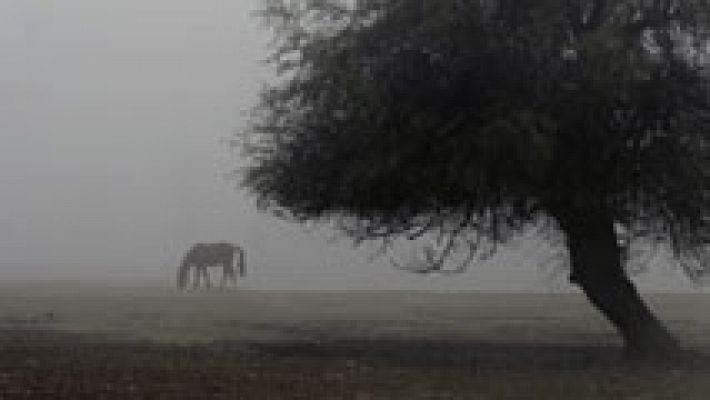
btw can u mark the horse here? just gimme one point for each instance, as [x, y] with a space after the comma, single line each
[203, 255]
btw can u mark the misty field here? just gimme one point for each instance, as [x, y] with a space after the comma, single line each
[97, 341]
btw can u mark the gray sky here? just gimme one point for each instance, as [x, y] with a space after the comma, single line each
[111, 116]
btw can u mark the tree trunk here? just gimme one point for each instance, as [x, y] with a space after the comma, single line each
[596, 267]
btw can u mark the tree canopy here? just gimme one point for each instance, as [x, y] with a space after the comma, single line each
[401, 116]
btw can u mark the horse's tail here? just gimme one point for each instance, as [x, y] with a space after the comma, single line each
[183, 273]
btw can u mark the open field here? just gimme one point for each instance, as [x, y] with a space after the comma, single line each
[67, 341]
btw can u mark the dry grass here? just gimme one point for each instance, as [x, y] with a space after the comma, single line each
[120, 343]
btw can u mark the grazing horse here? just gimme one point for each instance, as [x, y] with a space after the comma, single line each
[204, 255]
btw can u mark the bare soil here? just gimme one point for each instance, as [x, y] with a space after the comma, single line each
[71, 342]
[43, 364]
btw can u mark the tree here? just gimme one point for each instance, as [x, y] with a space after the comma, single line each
[481, 119]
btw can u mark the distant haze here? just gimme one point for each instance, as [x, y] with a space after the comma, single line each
[113, 116]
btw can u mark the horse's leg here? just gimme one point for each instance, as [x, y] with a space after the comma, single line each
[207, 278]
[196, 282]
[237, 264]
[242, 263]
[233, 275]
[225, 272]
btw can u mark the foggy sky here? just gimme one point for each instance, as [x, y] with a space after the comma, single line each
[112, 120]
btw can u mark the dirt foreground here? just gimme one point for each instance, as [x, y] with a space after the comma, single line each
[38, 364]
[73, 342]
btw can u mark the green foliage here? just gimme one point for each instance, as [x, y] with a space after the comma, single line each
[481, 116]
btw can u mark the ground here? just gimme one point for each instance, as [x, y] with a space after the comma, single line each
[121, 343]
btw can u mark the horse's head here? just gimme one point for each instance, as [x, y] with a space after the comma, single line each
[242, 263]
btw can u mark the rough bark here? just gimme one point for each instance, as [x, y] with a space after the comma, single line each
[598, 270]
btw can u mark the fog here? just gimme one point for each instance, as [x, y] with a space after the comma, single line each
[113, 120]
